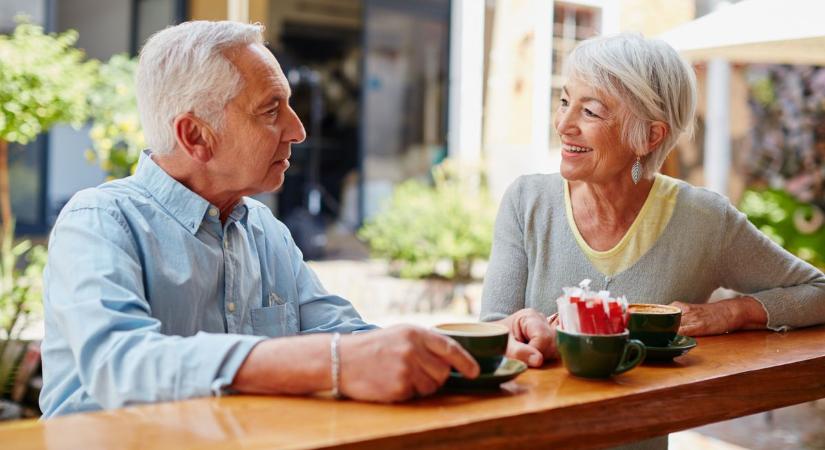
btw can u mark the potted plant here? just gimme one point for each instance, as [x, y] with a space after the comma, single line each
[43, 81]
[437, 230]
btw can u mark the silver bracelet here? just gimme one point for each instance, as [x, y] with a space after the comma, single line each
[336, 364]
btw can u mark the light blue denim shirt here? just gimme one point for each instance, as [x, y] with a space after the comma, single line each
[148, 297]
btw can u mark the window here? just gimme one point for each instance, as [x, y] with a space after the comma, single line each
[571, 24]
[405, 94]
[150, 16]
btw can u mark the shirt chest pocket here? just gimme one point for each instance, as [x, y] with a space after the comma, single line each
[277, 320]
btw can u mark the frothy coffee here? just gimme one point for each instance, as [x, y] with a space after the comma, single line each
[652, 309]
[472, 329]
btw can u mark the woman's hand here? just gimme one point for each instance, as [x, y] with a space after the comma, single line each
[532, 337]
[721, 317]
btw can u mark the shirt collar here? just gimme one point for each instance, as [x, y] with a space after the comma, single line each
[187, 207]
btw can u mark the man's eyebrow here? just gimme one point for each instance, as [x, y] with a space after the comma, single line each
[273, 99]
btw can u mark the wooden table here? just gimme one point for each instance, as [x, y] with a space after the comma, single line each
[724, 377]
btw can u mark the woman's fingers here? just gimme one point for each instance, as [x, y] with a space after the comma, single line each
[524, 353]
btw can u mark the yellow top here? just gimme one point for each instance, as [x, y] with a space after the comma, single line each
[642, 234]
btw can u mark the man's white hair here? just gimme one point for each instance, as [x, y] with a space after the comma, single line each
[650, 80]
[182, 69]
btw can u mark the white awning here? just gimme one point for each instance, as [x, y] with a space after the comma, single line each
[756, 31]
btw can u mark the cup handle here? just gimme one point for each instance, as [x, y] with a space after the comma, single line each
[634, 346]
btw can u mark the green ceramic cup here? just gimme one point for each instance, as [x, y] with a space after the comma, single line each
[486, 342]
[655, 325]
[599, 356]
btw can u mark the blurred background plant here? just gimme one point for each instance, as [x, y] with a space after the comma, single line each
[44, 80]
[786, 162]
[797, 226]
[436, 229]
[21, 289]
[117, 138]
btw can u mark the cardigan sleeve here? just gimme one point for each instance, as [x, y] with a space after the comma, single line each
[791, 290]
[505, 282]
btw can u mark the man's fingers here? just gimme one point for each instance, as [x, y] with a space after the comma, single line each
[452, 353]
[435, 367]
[423, 383]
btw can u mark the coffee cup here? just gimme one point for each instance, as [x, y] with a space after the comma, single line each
[599, 355]
[486, 342]
[655, 325]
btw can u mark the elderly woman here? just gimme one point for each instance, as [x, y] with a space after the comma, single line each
[611, 217]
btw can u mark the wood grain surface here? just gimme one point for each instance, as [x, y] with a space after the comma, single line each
[723, 377]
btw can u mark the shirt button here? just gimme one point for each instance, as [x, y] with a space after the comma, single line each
[225, 244]
[231, 307]
[213, 212]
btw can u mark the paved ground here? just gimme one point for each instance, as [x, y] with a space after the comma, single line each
[795, 427]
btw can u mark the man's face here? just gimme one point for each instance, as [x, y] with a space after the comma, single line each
[259, 126]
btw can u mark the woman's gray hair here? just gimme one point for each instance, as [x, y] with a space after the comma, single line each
[649, 78]
[182, 69]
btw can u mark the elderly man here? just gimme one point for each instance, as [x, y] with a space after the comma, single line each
[171, 284]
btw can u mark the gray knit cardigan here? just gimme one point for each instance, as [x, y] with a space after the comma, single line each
[707, 244]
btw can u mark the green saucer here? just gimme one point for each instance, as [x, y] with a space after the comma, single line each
[677, 347]
[509, 369]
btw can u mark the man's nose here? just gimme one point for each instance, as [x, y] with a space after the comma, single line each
[294, 131]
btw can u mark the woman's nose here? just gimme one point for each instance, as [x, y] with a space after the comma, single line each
[565, 124]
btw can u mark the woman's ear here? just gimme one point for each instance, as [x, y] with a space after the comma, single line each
[194, 136]
[656, 134]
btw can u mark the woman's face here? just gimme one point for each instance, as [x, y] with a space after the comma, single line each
[589, 124]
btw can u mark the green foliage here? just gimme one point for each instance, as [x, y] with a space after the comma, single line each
[21, 267]
[43, 81]
[425, 226]
[796, 226]
[117, 138]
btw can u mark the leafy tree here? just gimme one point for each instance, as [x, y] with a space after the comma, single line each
[44, 80]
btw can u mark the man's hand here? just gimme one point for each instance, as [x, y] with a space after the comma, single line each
[399, 362]
[721, 317]
[532, 337]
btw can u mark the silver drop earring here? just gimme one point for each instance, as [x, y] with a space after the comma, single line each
[636, 171]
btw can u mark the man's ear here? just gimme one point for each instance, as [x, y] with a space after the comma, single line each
[194, 136]
[656, 134]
